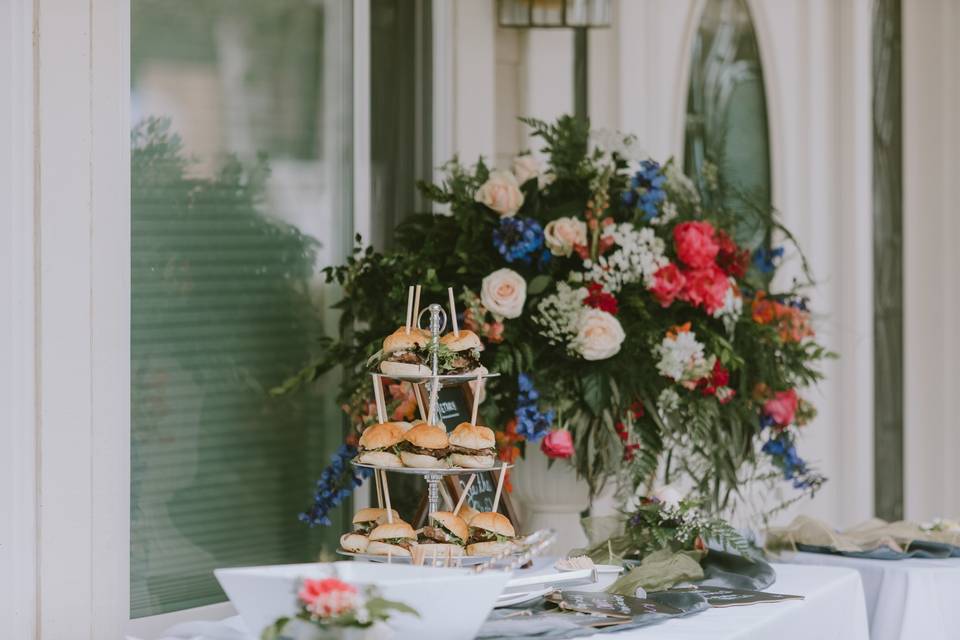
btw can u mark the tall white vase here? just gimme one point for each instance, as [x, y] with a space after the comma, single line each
[551, 498]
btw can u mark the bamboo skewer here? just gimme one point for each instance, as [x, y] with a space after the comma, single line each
[419, 397]
[409, 308]
[376, 478]
[463, 495]
[496, 498]
[378, 398]
[386, 495]
[416, 307]
[476, 400]
[453, 312]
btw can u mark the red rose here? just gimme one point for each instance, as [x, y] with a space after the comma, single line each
[706, 288]
[600, 299]
[558, 444]
[731, 258]
[782, 407]
[717, 379]
[696, 246]
[667, 285]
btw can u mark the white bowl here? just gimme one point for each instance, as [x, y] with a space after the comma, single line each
[452, 603]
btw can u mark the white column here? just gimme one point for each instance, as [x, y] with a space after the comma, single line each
[475, 92]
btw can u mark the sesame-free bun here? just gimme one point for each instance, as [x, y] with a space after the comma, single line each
[403, 369]
[493, 521]
[420, 461]
[488, 548]
[470, 462]
[354, 542]
[372, 514]
[454, 524]
[398, 529]
[380, 459]
[466, 340]
[378, 548]
[427, 436]
[380, 436]
[471, 436]
[467, 513]
[399, 340]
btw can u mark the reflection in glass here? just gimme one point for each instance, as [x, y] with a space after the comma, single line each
[239, 193]
[727, 114]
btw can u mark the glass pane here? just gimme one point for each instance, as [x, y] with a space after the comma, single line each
[727, 113]
[240, 192]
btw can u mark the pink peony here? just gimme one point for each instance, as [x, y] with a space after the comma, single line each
[328, 597]
[706, 288]
[696, 245]
[782, 407]
[667, 285]
[558, 444]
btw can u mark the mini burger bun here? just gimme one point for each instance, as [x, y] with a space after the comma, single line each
[384, 549]
[427, 436]
[493, 521]
[471, 436]
[380, 459]
[379, 436]
[419, 461]
[466, 340]
[488, 548]
[467, 513]
[403, 369]
[396, 529]
[455, 524]
[373, 514]
[354, 542]
[470, 462]
[400, 340]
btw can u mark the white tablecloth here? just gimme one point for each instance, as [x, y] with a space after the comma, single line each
[833, 609]
[906, 599]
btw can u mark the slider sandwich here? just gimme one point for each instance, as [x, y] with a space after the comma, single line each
[378, 445]
[425, 446]
[491, 534]
[462, 352]
[472, 447]
[445, 536]
[406, 354]
[364, 521]
[392, 539]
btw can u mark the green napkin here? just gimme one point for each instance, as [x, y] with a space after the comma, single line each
[660, 571]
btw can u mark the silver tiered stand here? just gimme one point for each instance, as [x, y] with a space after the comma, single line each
[435, 381]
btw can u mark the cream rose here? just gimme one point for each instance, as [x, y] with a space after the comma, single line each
[599, 335]
[526, 167]
[503, 292]
[500, 192]
[668, 496]
[562, 234]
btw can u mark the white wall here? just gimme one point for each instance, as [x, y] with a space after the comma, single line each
[816, 56]
[931, 230]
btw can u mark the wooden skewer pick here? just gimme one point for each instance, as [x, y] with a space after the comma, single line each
[463, 495]
[476, 399]
[376, 478]
[416, 307]
[496, 498]
[409, 308]
[378, 398]
[386, 495]
[416, 394]
[453, 312]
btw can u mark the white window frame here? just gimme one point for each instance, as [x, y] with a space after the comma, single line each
[65, 334]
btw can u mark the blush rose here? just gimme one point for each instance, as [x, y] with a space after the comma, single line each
[501, 192]
[503, 292]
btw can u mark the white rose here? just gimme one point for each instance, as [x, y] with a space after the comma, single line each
[526, 167]
[599, 335]
[562, 234]
[668, 496]
[503, 292]
[500, 192]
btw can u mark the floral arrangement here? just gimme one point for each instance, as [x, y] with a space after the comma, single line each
[632, 321]
[330, 604]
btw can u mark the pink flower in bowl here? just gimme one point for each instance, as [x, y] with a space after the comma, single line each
[328, 597]
[558, 444]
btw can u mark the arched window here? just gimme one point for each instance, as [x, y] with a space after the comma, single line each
[727, 114]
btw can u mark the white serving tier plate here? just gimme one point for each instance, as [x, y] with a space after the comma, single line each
[452, 603]
[465, 561]
[443, 471]
[444, 379]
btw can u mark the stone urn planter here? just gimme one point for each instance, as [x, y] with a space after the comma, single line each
[551, 498]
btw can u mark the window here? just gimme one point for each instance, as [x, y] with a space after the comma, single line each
[240, 191]
[727, 113]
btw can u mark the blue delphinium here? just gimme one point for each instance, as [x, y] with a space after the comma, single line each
[518, 239]
[646, 189]
[766, 260]
[335, 485]
[532, 423]
[783, 452]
